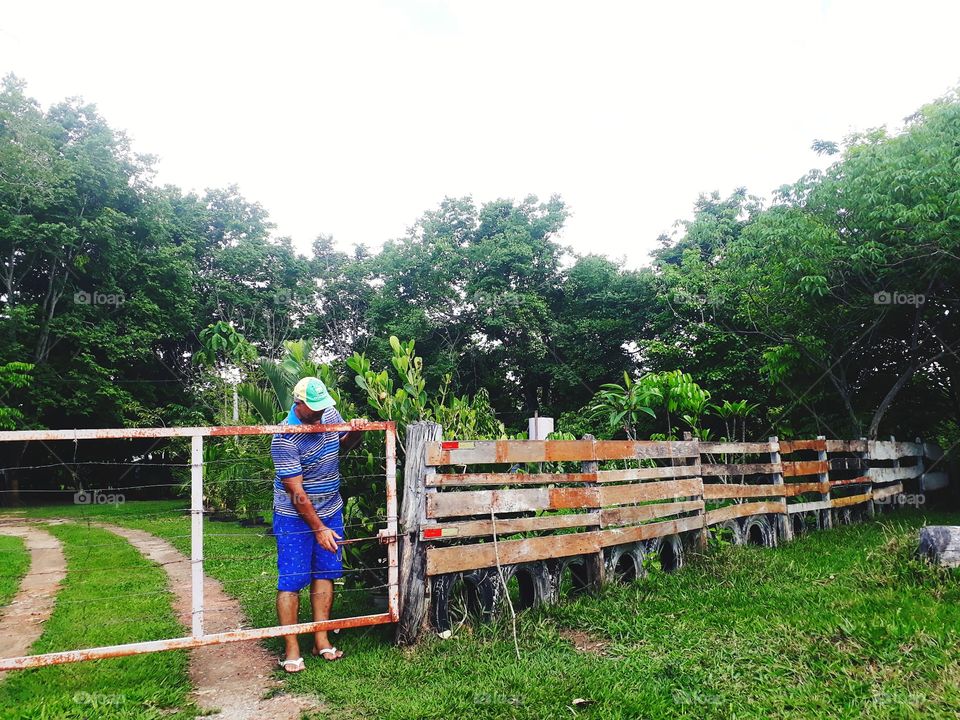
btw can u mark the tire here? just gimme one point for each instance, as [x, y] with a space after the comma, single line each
[624, 563]
[759, 531]
[532, 585]
[569, 578]
[457, 597]
[842, 516]
[667, 552]
[729, 530]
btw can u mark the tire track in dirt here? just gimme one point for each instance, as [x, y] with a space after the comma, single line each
[21, 623]
[232, 678]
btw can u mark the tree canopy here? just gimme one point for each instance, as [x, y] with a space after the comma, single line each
[830, 309]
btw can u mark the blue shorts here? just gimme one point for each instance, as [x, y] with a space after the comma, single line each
[300, 558]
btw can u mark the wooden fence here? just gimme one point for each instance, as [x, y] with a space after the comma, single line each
[575, 513]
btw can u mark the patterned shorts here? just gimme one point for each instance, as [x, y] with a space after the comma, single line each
[300, 558]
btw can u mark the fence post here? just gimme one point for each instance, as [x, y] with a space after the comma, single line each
[196, 534]
[896, 464]
[593, 563]
[786, 529]
[413, 552]
[865, 470]
[825, 477]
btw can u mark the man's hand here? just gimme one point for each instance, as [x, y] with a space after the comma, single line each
[327, 538]
[353, 436]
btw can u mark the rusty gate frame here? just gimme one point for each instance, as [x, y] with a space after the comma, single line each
[197, 637]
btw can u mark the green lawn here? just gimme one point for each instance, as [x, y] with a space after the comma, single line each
[13, 566]
[145, 687]
[842, 623]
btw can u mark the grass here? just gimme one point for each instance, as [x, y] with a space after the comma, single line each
[100, 606]
[838, 624]
[14, 565]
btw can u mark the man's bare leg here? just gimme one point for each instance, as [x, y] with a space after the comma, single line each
[288, 608]
[321, 600]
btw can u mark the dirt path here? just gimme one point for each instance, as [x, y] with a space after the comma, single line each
[22, 620]
[232, 678]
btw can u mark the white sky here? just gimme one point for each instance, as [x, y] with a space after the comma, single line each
[353, 118]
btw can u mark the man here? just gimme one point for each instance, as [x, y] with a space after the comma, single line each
[308, 514]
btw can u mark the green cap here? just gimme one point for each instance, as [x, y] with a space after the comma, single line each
[313, 393]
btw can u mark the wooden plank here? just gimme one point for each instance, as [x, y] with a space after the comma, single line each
[727, 491]
[887, 491]
[741, 469]
[807, 467]
[851, 500]
[934, 481]
[456, 558]
[635, 533]
[794, 489]
[719, 515]
[473, 479]
[882, 475]
[851, 446]
[809, 506]
[604, 476]
[667, 471]
[644, 492]
[483, 502]
[909, 449]
[861, 480]
[735, 448]
[524, 451]
[792, 446]
[888, 450]
[507, 526]
[611, 517]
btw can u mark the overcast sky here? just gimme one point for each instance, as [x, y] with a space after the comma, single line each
[352, 118]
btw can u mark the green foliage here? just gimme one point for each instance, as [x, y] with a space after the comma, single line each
[623, 405]
[13, 376]
[404, 398]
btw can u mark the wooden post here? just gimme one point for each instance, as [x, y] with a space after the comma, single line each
[871, 510]
[413, 553]
[703, 535]
[896, 464]
[593, 563]
[825, 477]
[783, 520]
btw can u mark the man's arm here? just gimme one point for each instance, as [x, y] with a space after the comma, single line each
[350, 440]
[301, 503]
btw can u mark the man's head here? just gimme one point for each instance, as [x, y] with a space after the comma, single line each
[311, 398]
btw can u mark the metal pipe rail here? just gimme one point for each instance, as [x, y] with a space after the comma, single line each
[198, 638]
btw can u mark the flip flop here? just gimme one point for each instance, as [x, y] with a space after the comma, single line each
[327, 651]
[297, 665]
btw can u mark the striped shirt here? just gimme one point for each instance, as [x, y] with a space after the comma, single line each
[316, 457]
